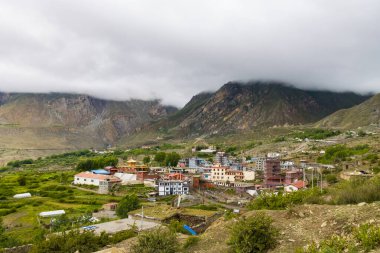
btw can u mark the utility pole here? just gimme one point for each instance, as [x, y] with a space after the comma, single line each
[321, 182]
[312, 178]
[304, 176]
[142, 218]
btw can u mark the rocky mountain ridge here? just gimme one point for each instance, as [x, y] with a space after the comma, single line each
[243, 106]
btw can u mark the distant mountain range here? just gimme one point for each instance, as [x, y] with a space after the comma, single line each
[72, 120]
[59, 120]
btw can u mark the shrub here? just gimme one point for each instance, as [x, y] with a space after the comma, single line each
[253, 234]
[334, 244]
[228, 215]
[368, 236]
[316, 134]
[122, 235]
[279, 139]
[127, 204]
[331, 178]
[340, 153]
[21, 180]
[156, 241]
[364, 238]
[176, 226]
[279, 201]
[5, 240]
[191, 241]
[356, 190]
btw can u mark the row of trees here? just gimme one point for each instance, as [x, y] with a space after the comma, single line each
[97, 162]
[167, 159]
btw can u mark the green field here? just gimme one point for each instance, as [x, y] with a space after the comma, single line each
[50, 191]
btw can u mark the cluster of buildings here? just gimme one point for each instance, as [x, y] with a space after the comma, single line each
[199, 173]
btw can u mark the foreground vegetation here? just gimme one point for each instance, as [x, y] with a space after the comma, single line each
[76, 241]
[352, 191]
[364, 238]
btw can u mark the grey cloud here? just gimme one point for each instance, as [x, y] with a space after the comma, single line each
[172, 50]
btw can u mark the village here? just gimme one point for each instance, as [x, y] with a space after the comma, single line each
[246, 178]
[188, 191]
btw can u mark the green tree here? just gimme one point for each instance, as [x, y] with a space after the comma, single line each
[160, 157]
[146, 159]
[156, 241]
[127, 204]
[172, 159]
[97, 162]
[253, 234]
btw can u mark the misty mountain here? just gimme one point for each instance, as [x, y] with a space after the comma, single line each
[70, 119]
[245, 106]
[57, 120]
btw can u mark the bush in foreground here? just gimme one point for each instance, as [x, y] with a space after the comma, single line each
[364, 238]
[76, 241]
[253, 234]
[156, 241]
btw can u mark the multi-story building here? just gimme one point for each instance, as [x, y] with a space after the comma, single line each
[221, 158]
[234, 175]
[173, 187]
[196, 162]
[218, 173]
[259, 163]
[272, 173]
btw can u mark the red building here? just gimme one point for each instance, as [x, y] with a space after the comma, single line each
[272, 173]
[174, 176]
[143, 175]
[292, 176]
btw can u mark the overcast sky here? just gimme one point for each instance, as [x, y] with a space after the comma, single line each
[172, 50]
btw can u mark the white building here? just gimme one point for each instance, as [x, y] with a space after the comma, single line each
[89, 178]
[126, 178]
[218, 173]
[173, 187]
[273, 155]
[287, 165]
[249, 175]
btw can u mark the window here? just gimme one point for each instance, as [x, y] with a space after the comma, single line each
[77, 178]
[92, 180]
[84, 179]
